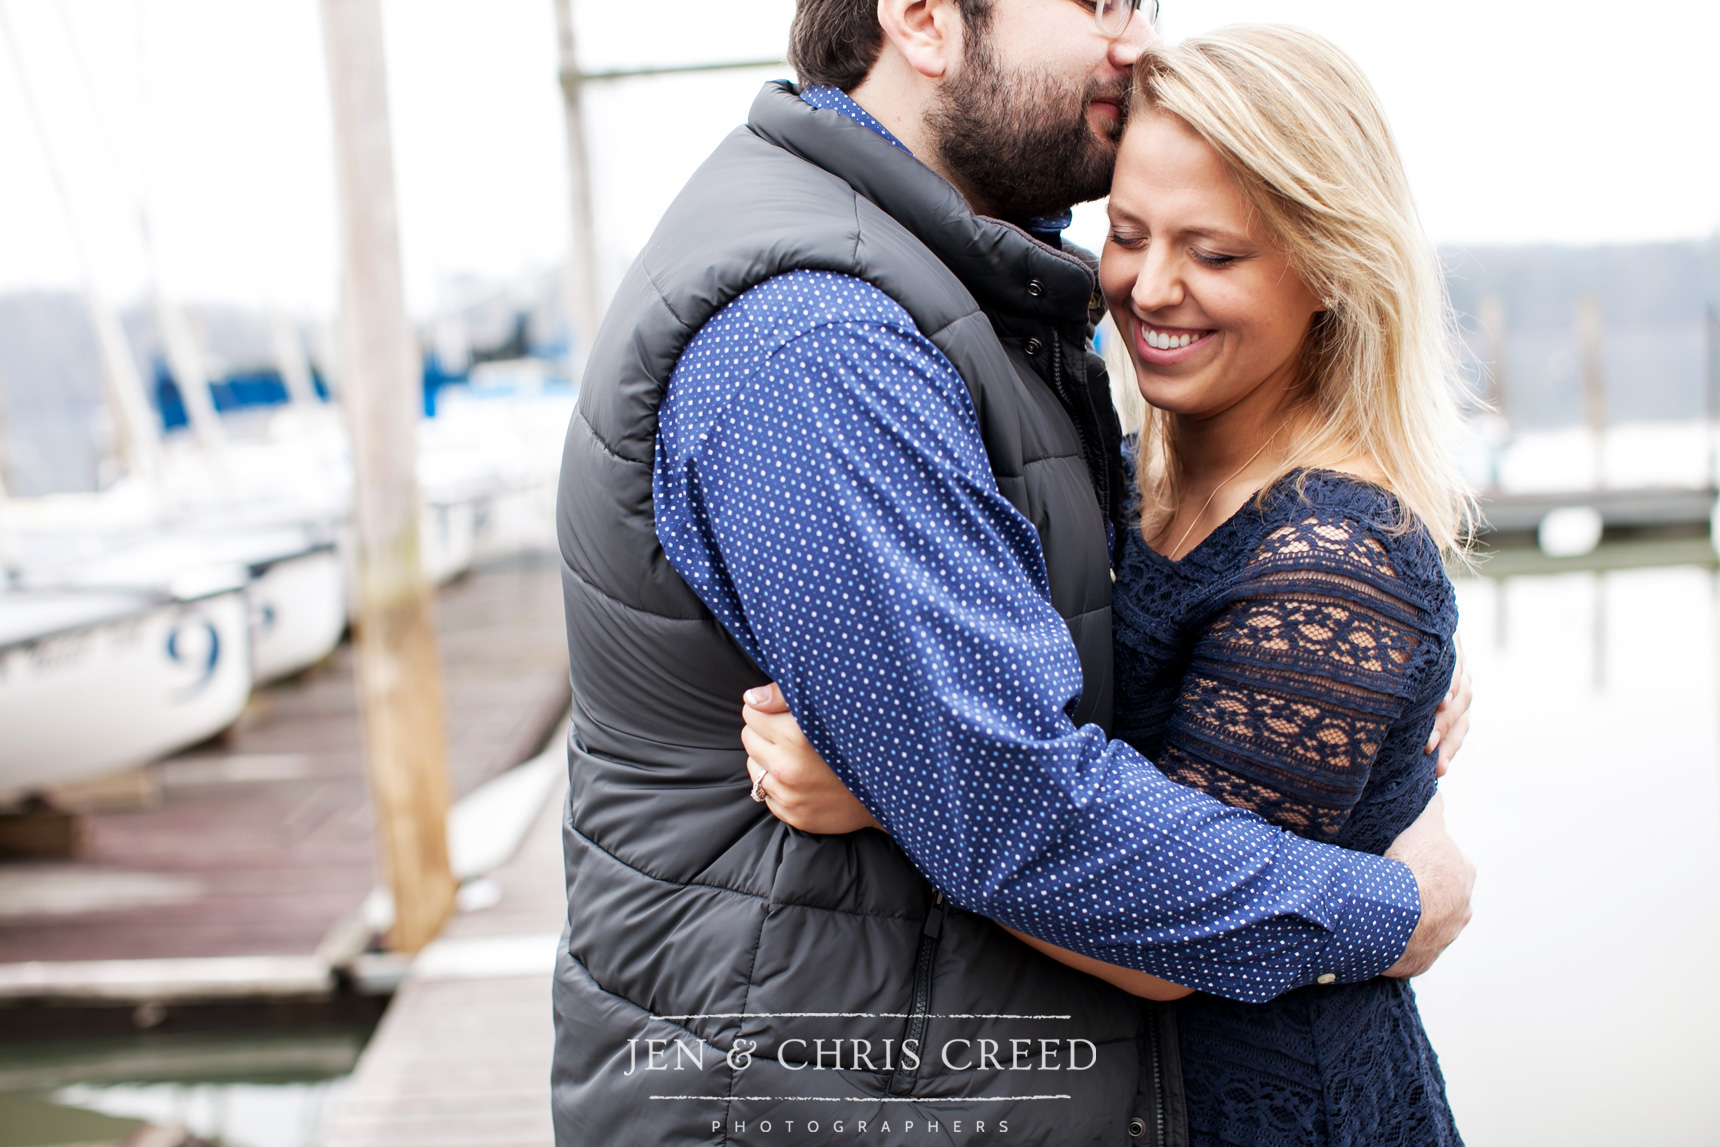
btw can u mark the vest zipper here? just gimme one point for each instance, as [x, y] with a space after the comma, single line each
[1081, 418]
[922, 1004]
[1057, 386]
[1158, 1087]
[1162, 1018]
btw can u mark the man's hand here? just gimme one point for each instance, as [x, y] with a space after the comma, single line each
[1451, 719]
[1445, 877]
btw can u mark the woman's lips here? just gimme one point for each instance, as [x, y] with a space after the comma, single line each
[1166, 345]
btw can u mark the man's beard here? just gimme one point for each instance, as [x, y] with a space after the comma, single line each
[1021, 142]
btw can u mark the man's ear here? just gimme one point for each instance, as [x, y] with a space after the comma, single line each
[926, 33]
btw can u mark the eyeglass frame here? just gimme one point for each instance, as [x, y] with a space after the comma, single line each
[1133, 6]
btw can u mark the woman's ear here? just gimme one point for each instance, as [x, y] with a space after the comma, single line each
[925, 33]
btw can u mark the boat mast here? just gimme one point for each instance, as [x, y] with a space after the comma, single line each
[584, 311]
[1711, 394]
[6, 479]
[135, 435]
[1594, 379]
[184, 359]
[8, 559]
[288, 346]
[585, 306]
[1494, 328]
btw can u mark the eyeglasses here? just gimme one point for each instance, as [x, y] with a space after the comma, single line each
[1114, 15]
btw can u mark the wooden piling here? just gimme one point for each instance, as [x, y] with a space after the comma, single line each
[400, 682]
[585, 311]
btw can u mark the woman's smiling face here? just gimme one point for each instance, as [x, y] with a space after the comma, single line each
[1212, 311]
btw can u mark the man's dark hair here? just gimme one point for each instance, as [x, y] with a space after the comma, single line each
[834, 43]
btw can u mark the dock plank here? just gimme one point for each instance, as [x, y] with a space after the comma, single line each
[462, 1060]
[262, 841]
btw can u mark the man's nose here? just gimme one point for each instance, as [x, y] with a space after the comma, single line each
[1136, 38]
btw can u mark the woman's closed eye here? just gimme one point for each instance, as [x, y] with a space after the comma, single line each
[1213, 258]
[1127, 241]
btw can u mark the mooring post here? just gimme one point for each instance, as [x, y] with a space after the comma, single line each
[584, 311]
[399, 668]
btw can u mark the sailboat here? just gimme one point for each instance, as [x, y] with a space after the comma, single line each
[96, 681]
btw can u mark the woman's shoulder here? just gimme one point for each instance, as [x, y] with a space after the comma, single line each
[1342, 525]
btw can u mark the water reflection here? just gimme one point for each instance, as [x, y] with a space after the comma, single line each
[1578, 1009]
[267, 1090]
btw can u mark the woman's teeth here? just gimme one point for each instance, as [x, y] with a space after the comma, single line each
[1161, 341]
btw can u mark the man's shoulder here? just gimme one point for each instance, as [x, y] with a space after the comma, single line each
[787, 307]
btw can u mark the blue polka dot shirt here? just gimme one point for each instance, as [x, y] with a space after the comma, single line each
[821, 484]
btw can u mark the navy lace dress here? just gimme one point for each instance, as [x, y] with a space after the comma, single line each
[1291, 664]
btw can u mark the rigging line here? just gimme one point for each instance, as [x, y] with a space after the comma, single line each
[104, 132]
[137, 444]
[145, 100]
[185, 358]
[261, 268]
[134, 189]
[33, 112]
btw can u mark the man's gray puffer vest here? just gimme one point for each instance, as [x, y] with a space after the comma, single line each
[697, 920]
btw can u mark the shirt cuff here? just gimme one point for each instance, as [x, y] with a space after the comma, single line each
[1380, 909]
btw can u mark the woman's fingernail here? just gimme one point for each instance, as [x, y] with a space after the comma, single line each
[757, 696]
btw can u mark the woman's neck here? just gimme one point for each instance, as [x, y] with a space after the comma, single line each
[1222, 460]
[1211, 450]
[1251, 436]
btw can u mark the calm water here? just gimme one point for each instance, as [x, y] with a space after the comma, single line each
[1581, 1005]
[268, 1090]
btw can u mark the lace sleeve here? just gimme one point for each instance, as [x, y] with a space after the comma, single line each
[1311, 656]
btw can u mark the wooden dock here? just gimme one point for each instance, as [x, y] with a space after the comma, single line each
[253, 855]
[462, 1057]
[1649, 510]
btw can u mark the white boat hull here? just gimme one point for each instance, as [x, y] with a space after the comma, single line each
[296, 582]
[110, 695]
[298, 613]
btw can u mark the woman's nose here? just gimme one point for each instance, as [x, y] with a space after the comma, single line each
[1159, 285]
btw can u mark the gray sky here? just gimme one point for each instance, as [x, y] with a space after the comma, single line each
[1520, 120]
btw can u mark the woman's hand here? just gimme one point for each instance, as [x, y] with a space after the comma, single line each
[1451, 719]
[789, 776]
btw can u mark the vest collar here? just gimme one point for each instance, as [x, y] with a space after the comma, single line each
[1005, 268]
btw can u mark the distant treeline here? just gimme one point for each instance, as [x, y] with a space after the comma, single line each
[1519, 307]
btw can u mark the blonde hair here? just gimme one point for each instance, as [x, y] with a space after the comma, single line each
[1305, 136]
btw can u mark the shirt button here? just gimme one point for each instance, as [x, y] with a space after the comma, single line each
[1328, 978]
[1032, 347]
[1035, 288]
[1137, 1128]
